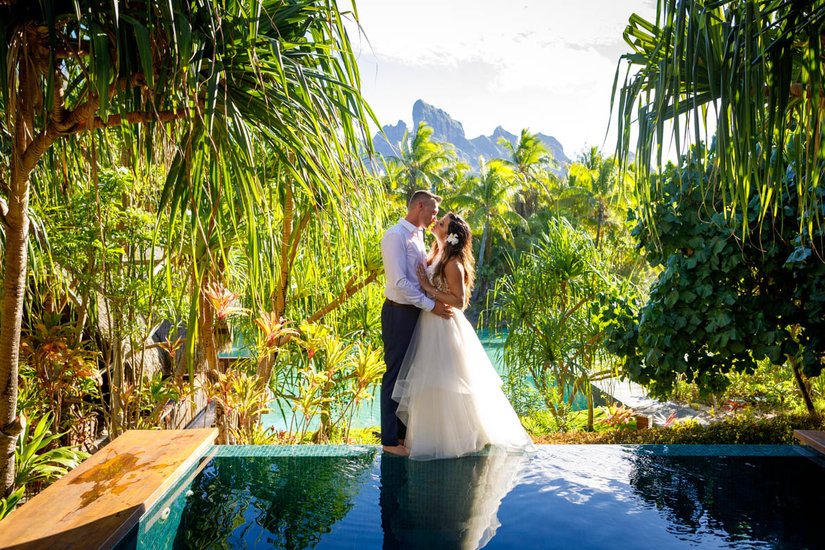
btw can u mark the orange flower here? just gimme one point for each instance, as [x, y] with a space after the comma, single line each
[222, 300]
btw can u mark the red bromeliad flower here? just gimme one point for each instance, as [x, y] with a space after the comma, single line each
[170, 346]
[222, 300]
[274, 328]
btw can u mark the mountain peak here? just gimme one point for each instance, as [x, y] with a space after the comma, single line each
[447, 129]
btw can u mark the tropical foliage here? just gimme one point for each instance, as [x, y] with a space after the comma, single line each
[530, 159]
[185, 97]
[592, 187]
[724, 299]
[553, 340]
[488, 201]
[185, 217]
[420, 164]
[745, 73]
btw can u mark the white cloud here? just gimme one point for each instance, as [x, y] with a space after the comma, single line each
[546, 64]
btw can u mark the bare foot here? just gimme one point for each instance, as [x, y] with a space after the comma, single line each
[399, 450]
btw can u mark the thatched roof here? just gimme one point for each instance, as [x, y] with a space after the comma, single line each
[144, 356]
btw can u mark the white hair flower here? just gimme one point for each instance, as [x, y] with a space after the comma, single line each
[452, 238]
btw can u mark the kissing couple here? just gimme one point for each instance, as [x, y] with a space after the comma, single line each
[440, 396]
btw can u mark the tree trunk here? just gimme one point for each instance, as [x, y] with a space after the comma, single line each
[206, 333]
[119, 409]
[286, 235]
[14, 286]
[589, 407]
[412, 184]
[483, 246]
[800, 383]
[25, 152]
[206, 341]
[325, 427]
[480, 262]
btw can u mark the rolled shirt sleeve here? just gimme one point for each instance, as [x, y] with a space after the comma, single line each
[397, 272]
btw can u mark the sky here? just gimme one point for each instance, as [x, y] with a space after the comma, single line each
[546, 65]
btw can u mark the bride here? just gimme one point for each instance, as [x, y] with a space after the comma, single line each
[448, 393]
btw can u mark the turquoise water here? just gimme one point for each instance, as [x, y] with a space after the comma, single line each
[369, 414]
[570, 496]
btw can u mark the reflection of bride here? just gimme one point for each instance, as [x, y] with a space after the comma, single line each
[448, 393]
[446, 503]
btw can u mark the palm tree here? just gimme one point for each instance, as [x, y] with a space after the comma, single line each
[592, 180]
[452, 179]
[487, 201]
[529, 158]
[753, 68]
[214, 77]
[420, 160]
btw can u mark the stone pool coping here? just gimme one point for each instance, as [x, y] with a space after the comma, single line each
[101, 500]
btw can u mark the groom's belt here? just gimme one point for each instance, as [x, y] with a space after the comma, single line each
[396, 304]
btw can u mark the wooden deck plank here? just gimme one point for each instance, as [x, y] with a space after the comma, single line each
[813, 438]
[98, 502]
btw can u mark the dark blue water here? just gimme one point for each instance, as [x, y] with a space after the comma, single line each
[561, 497]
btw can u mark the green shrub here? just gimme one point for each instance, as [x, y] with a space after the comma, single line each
[740, 429]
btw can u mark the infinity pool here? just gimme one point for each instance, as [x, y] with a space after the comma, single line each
[572, 496]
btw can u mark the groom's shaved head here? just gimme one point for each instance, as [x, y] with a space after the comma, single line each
[422, 208]
[423, 195]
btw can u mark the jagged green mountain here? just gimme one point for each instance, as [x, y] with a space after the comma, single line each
[447, 129]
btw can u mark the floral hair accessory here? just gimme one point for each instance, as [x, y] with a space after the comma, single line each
[452, 238]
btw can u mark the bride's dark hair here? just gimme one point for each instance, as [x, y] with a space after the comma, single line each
[463, 250]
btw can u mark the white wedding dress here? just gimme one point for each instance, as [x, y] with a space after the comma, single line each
[449, 395]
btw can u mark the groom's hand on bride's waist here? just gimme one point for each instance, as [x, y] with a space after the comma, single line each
[443, 310]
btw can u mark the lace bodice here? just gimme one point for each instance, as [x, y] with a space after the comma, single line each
[438, 282]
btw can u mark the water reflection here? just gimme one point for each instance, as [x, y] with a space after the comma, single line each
[562, 497]
[288, 502]
[444, 503]
[767, 499]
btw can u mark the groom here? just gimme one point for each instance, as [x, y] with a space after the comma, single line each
[403, 250]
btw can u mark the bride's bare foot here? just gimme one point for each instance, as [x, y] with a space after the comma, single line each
[399, 450]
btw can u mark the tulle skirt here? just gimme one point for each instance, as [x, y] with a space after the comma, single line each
[449, 395]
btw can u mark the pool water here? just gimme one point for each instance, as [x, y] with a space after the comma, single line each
[593, 496]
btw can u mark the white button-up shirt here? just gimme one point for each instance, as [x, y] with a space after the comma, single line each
[403, 250]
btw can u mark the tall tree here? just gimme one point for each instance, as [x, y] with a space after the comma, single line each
[529, 156]
[488, 200]
[552, 337]
[592, 180]
[722, 301]
[420, 160]
[219, 76]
